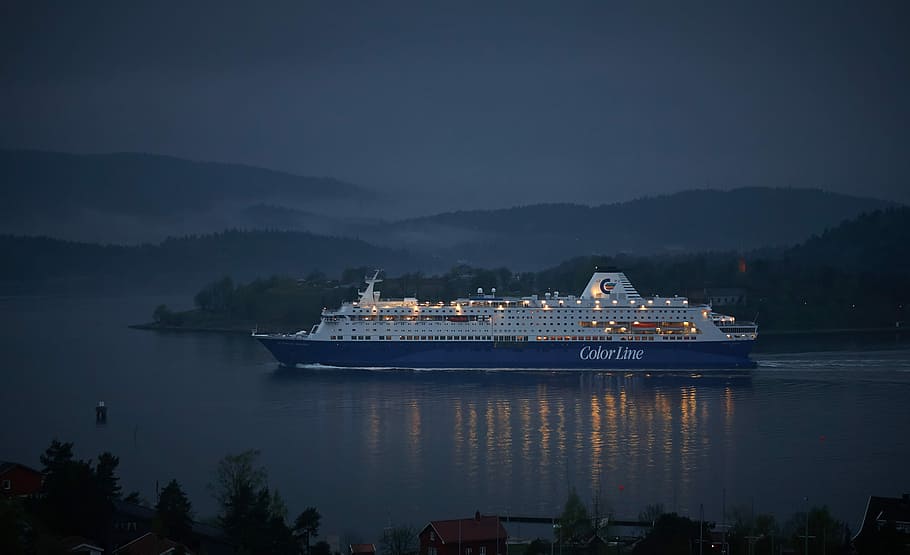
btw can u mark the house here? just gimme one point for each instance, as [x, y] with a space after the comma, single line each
[19, 480]
[481, 535]
[362, 549]
[130, 522]
[885, 525]
[78, 544]
[152, 544]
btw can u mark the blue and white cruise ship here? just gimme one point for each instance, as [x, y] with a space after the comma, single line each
[609, 326]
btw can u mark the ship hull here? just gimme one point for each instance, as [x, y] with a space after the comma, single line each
[549, 355]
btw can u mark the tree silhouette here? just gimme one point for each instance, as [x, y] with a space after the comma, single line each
[307, 525]
[574, 522]
[398, 540]
[175, 513]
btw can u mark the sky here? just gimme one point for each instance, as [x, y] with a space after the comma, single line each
[474, 104]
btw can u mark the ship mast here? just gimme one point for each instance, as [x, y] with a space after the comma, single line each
[367, 296]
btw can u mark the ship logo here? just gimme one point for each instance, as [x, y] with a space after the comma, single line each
[606, 286]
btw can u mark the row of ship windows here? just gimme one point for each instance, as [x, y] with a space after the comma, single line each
[469, 319]
[511, 338]
[415, 337]
[614, 330]
[610, 338]
[370, 313]
[665, 328]
[526, 311]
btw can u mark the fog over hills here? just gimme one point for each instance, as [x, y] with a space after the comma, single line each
[873, 243]
[134, 198]
[129, 198]
[532, 236]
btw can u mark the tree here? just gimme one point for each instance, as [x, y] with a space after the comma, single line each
[322, 548]
[56, 456]
[307, 525]
[166, 317]
[672, 534]
[175, 513]
[13, 526]
[250, 515]
[236, 477]
[398, 540]
[216, 296]
[77, 498]
[574, 523]
[108, 482]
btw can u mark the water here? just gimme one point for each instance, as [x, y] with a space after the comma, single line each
[370, 447]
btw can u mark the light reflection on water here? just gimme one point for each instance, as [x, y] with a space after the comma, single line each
[414, 446]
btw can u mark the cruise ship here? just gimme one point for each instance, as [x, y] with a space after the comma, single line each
[608, 326]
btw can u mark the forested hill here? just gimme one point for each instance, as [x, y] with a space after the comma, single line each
[134, 197]
[131, 198]
[826, 283]
[43, 265]
[691, 221]
[852, 276]
[876, 242]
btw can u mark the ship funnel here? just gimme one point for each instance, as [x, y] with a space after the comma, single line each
[605, 284]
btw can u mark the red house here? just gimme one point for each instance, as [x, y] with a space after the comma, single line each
[17, 480]
[481, 535]
[362, 549]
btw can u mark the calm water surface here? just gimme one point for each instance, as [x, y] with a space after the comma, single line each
[369, 447]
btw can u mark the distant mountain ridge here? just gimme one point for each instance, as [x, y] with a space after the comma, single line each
[698, 220]
[132, 197]
[875, 242]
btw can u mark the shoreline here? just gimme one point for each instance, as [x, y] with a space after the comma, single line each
[194, 329]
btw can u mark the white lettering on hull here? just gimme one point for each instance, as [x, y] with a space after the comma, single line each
[618, 353]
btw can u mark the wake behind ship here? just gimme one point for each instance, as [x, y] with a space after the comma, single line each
[609, 326]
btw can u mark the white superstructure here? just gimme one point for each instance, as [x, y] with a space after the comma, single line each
[608, 309]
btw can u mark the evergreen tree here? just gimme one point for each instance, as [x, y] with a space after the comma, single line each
[250, 515]
[175, 513]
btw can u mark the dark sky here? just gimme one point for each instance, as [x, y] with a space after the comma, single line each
[514, 103]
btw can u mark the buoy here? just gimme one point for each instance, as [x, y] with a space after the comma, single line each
[101, 413]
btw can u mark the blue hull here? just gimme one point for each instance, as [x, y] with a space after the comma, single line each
[576, 355]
